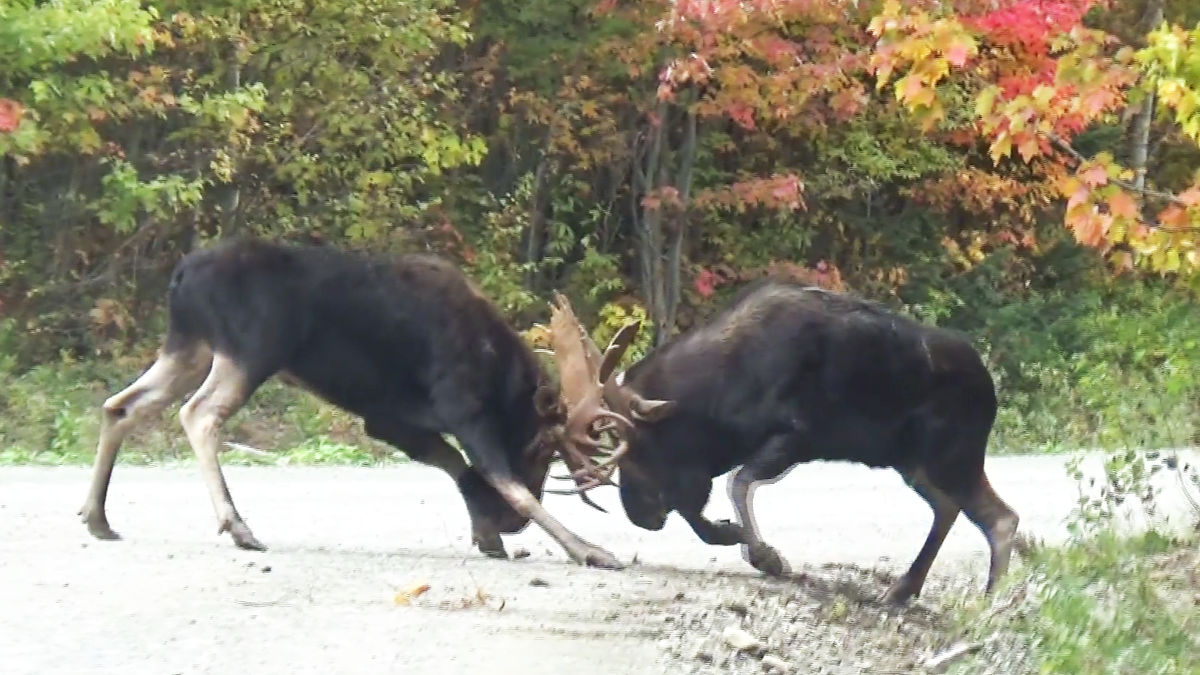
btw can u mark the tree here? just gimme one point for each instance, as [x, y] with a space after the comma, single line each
[1040, 77]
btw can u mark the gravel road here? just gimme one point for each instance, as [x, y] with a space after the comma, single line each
[173, 597]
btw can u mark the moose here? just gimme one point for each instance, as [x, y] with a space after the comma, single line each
[407, 343]
[786, 374]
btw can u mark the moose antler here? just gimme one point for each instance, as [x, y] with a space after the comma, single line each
[583, 371]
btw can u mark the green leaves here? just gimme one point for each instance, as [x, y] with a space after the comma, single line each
[35, 37]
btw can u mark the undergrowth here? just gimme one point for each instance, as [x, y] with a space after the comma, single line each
[50, 415]
[1107, 603]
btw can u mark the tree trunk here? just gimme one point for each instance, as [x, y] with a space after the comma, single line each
[1140, 136]
[537, 215]
[674, 261]
[649, 224]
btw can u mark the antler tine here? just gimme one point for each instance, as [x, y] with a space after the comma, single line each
[582, 372]
[616, 349]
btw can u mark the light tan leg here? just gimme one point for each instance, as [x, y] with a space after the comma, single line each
[166, 381]
[523, 501]
[219, 397]
[998, 522]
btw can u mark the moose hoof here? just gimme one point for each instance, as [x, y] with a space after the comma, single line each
[766, 559]
[900, 593]
[593, 556]
[97, 524]
[490, 545]
[244, 538]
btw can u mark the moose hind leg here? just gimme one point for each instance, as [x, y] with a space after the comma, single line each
[171, 376]
[226, 388]
[945, 511]
[997, 521]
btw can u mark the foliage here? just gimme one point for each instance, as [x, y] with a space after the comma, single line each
[50, 415]
[1108, 604]
[1039, 76]
[644, 158]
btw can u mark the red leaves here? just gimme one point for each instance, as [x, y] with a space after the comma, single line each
[10, 115]
[742, 114]
[706, 282]
[1030, 24]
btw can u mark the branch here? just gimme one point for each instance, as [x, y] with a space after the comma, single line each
[1066, 147]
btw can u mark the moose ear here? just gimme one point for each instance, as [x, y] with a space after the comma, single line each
[649, 410]
[546, 402]
[616, 349]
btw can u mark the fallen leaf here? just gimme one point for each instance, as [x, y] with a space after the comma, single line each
[406, 596]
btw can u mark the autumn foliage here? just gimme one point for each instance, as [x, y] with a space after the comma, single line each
[1039, 76]
[643, 156]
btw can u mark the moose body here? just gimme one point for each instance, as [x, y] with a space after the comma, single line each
[787, 374]
[406, 343]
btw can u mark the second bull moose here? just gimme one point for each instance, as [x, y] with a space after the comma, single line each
[784, 375]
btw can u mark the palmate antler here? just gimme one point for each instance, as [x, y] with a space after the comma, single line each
[583, 373]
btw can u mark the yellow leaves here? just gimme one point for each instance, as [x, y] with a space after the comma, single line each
[1042, 95]
[931, 47]
[1001, 147]
[986, 100]
[405, 596]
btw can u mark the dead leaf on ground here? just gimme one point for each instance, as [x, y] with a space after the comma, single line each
[407, 595]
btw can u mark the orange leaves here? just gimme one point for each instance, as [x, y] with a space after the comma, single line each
[775, 192]
[1121, 205]
[10, 115]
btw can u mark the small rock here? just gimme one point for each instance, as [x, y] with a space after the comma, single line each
[741, 641]
[538, 582]
[520, 553]
[940, 662]
[737, 607]
[774, 664]
[266, 568]
[250, 564]
[703, 656]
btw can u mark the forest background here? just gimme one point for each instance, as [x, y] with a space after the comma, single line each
[1026, 171]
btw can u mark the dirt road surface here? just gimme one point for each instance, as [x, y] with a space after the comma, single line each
[173, 597]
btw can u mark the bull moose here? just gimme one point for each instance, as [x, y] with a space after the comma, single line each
[406, 343]
[787, 374]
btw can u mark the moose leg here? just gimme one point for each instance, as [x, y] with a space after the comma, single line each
[171, 376]
[490, 458]
[768, 465]
[226, 388]
[996, 520]
[691, 496]
[430, 448]
[945, 511]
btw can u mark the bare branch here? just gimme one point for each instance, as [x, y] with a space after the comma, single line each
[1066, 147]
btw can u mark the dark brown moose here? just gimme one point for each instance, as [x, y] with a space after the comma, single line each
[783, 375]
[407, 343]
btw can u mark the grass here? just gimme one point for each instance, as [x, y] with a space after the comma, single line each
[1102, 604]
[50, 416]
